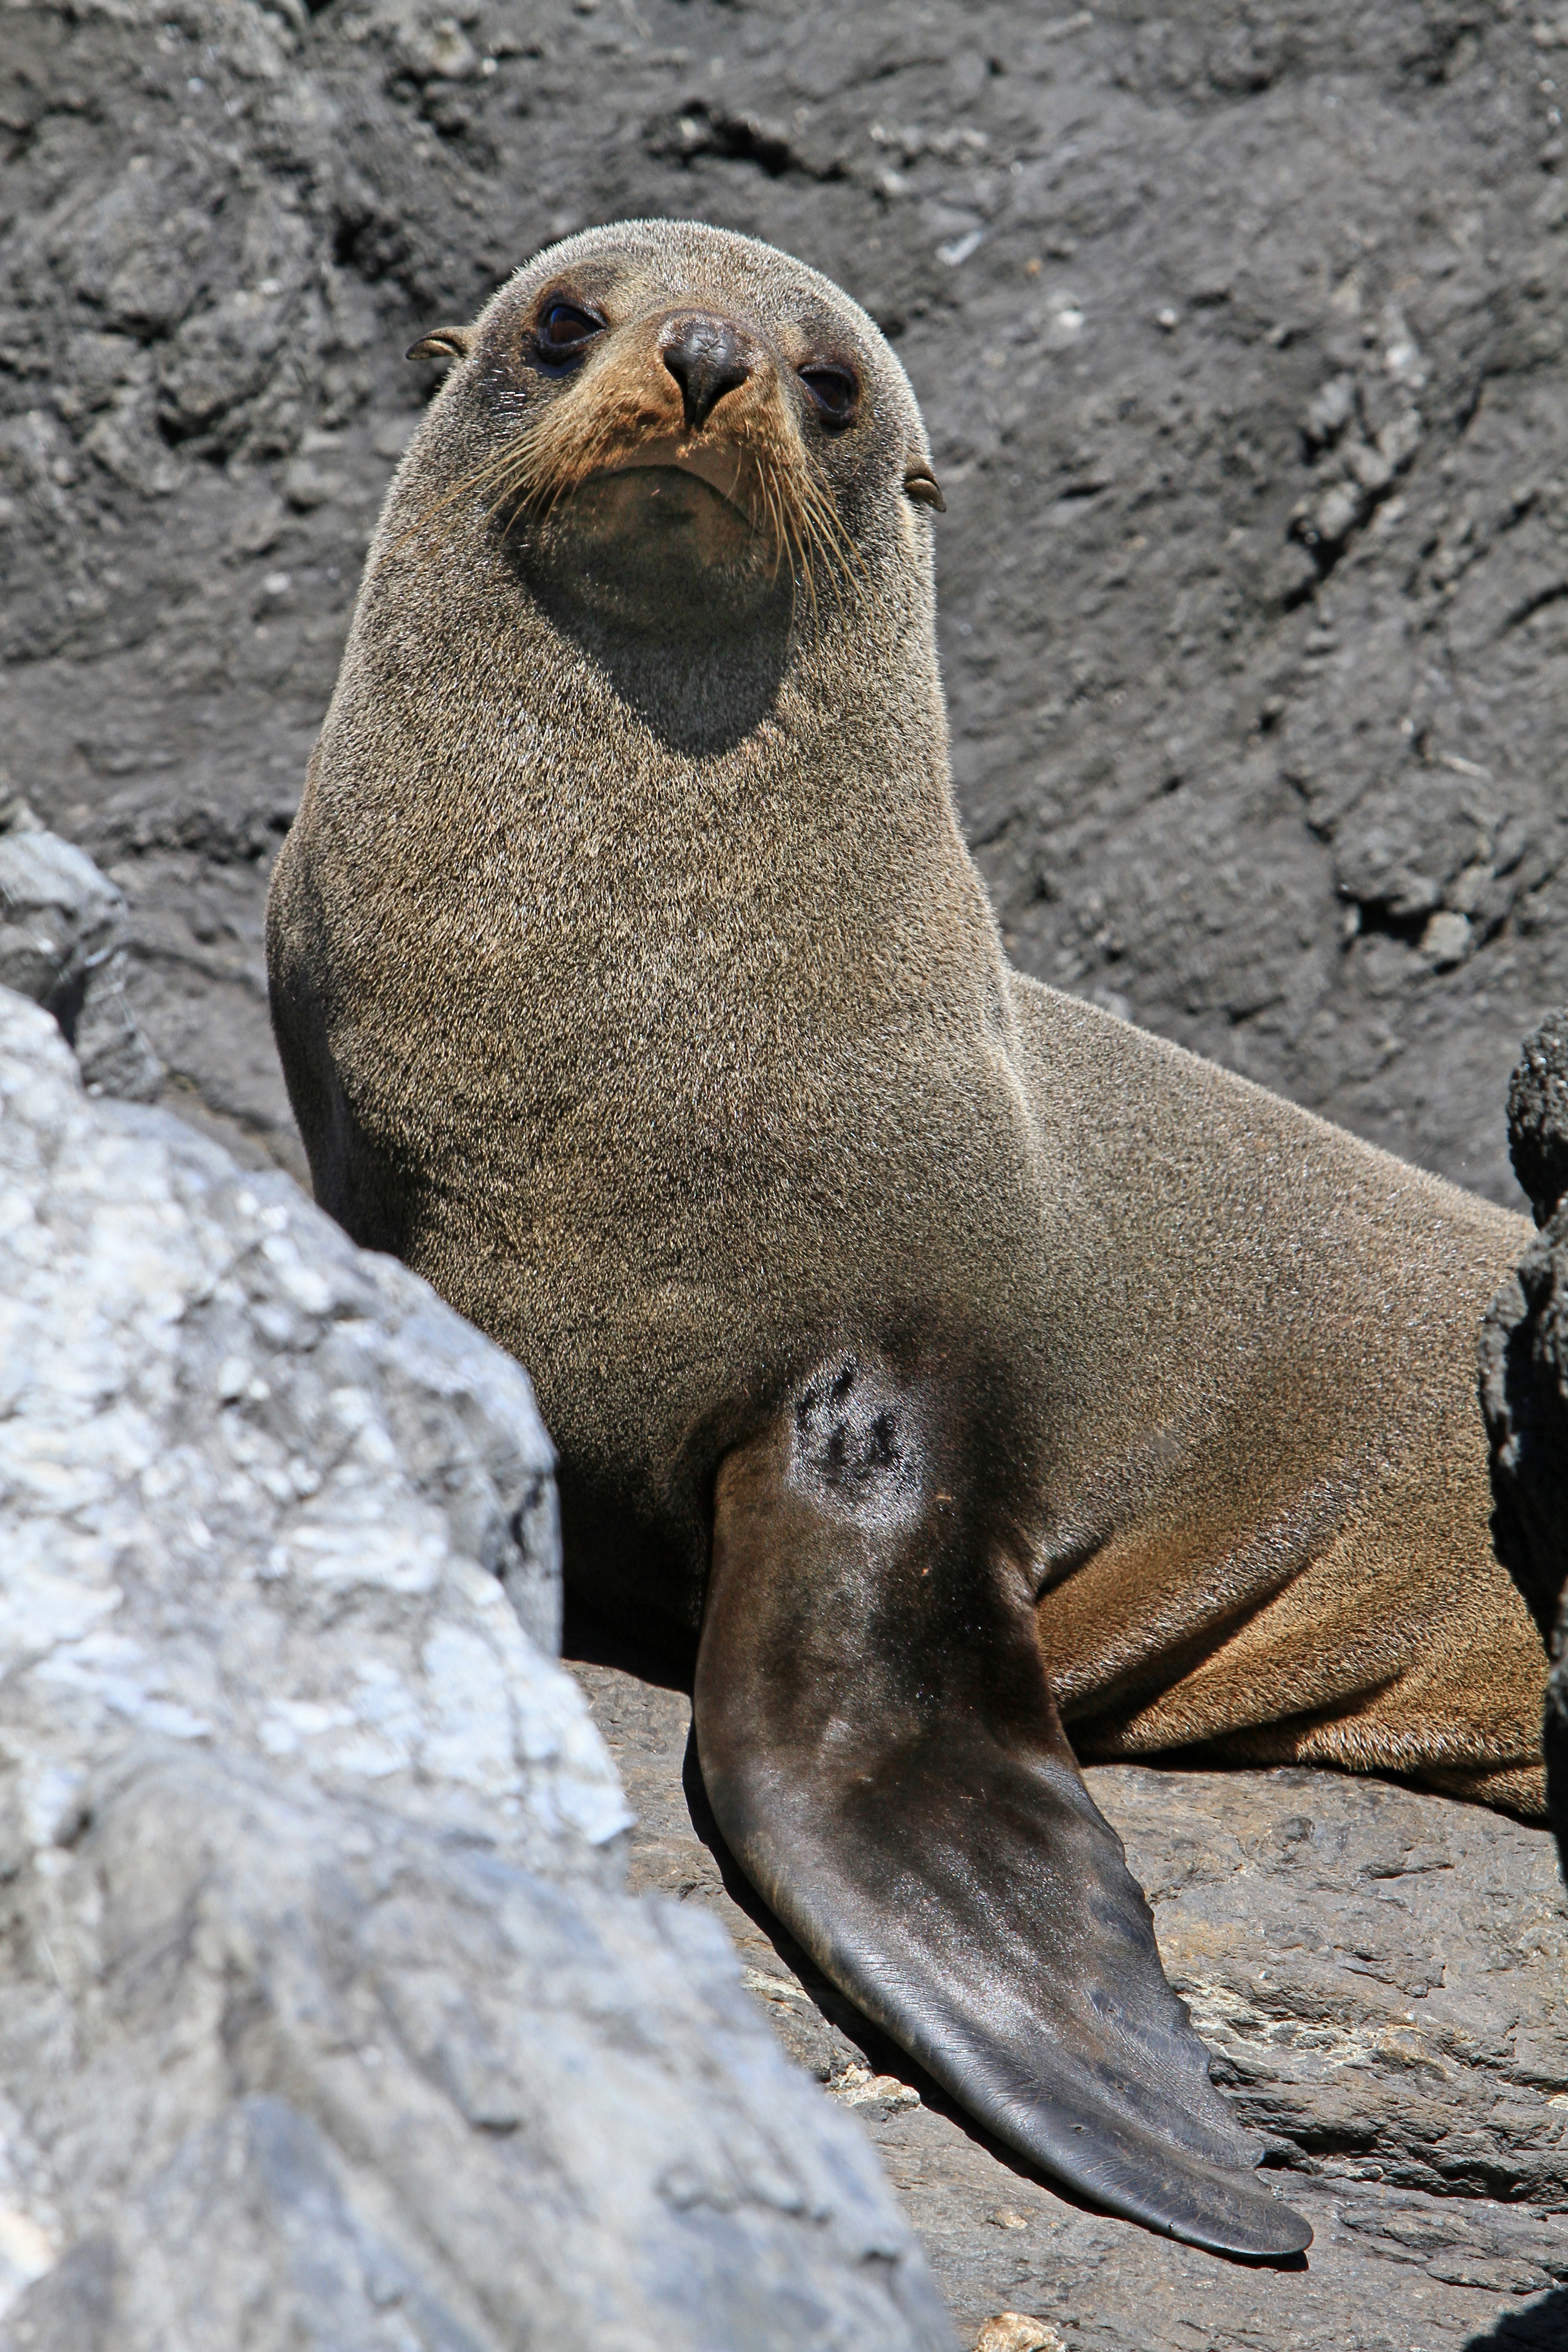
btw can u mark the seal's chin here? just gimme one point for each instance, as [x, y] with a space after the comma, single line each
[676, 511]
[655, 543]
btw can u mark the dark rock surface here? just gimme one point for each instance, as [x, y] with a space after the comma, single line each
[63, 930]
[1384, 1978]
[1537, 1116]
[1241, 333]
[1524, 1381]
[326, 2022]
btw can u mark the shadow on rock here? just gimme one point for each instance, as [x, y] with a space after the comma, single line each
[1540, 2327]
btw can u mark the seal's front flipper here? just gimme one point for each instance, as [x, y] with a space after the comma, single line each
[883, 1755]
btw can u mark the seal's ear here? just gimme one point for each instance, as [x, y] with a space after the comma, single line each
[442, 343]
[920, 485]
[883, 1752]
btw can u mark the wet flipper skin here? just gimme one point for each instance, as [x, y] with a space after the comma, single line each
[883, 1752]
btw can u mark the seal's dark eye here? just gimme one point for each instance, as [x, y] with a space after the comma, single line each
[834, 390]
[565, 329]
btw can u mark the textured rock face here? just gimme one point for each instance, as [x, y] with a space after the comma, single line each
[1382, 1977]
[63, 932]
[1537, 1116]
[1242, 338]
[250, 1473]
[327, 2020]
[398, 2090]
[1524, 1381]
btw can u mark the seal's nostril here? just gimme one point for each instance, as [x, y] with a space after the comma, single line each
[705, 357]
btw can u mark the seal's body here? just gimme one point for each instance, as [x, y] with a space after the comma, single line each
[957, 1359]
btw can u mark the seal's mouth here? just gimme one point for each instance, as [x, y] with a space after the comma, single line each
[721, 465]
[663, 512]
[724, 497]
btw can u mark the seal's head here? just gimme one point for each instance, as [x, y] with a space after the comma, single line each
[672, 425]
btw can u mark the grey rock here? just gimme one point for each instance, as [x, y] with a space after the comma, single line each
[1524, 1381]
[1382, 1977]
[335, 2081]
[327, 2017]
[63, 931]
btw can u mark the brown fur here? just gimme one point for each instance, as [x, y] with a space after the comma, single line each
[634, 984]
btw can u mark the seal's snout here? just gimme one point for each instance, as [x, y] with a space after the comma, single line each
[707, 358]
[665, 451]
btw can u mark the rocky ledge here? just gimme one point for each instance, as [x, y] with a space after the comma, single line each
[64, 935]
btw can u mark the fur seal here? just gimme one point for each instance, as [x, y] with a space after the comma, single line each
[961, 1366]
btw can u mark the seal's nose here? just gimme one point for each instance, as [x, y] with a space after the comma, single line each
[706, 358]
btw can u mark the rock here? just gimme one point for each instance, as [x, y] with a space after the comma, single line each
[328, 2020]
[436, 50]
[63, 931]
[1012, 2331]
[306, 487]
[1383, 1976]
[399, 2089]
[1524, 1381]
[1537, 1116]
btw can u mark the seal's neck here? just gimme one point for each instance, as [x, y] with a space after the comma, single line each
[814, 718]
[745, 838]
[694, 695]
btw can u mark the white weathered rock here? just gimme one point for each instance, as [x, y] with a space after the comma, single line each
[326, 2020]
[257, 1484]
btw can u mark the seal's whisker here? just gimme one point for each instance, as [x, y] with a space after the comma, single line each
[838, 548]
[478, 480]
[778, 474]
[801, 555]
[771, 480]
[811, 534]
[774, 501]
[845, 564]
[799, 563]
[764, 519]
[820, 553]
